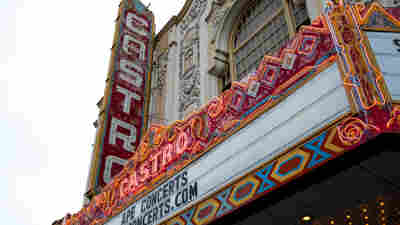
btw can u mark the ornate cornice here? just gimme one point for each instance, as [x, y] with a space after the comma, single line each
[196, 10]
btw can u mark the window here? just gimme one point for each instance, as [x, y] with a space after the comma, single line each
[262, 28]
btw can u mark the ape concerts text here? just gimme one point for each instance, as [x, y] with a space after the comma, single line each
[168, 198]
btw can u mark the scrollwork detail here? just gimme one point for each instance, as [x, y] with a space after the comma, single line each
[353, 130]
[197, 9]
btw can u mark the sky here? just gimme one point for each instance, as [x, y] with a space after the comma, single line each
[53, 64]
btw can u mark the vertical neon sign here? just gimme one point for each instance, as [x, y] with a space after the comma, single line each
[126, 96]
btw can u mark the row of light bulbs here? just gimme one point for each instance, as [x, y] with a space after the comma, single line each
[307, 219]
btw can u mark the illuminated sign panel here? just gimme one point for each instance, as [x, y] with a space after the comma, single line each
[386, 47]
[126, 94]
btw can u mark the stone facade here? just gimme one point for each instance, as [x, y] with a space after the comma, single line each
[189, 75]
[189, 65]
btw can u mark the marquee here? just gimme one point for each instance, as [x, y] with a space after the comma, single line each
[333, 44]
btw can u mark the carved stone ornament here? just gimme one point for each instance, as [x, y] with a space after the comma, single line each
[189, 75]
[189, 93]
[160, 71]
[218, 10]
[197, 9]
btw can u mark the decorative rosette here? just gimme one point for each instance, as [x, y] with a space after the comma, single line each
[352, 131]
[215, 107]
[394, 118]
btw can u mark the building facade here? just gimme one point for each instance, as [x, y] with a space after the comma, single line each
[250, 111]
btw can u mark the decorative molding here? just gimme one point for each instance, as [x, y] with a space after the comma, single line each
[363, 79]
[160, 68]
[189, 75]
[216, 19]
[158, 86]
[374, 17]
[196, 10]
[217, 12]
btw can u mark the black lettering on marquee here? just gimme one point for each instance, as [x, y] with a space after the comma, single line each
[396, 42]
[184, 178]
[177, 181]
[128, 215]
[171, 187]
[193, 191]
[177, 192]
[167, 206]
[165, 191]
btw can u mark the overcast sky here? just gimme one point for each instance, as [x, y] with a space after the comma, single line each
[53, 64]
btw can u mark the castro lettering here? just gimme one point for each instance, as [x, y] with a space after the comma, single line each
[170, 149]
[127, 140]
[126, 106]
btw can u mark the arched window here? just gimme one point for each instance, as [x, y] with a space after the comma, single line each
[262, 28]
